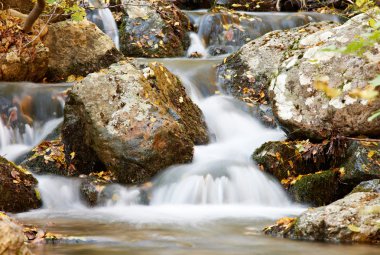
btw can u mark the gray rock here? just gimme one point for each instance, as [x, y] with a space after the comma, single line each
[354, 218]
[306, 111]
[368, 186]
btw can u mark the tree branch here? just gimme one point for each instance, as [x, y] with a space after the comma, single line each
[33, 15]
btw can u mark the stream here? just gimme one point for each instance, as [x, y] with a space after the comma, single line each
[218, 204]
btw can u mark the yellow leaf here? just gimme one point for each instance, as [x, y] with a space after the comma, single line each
[324, 87]
[371, 153]
[72, 155]
[291, 164]
[353, 228]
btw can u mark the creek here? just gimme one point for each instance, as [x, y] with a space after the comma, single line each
[217, 204]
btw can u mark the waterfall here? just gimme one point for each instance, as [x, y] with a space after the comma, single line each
[104, 19]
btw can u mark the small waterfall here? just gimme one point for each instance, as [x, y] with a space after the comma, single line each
[43, 104]
[196, 46]
[104, 19]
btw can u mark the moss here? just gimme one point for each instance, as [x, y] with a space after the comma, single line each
[316, 189]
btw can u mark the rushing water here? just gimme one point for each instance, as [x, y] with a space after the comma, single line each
[217, 204]
[103, 18]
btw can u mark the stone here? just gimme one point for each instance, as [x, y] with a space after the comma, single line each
[314, 93]
[18, 188]
[354, 218]
[368, 186]
[78, 48]
[12, 239]
[135, 122]
[247, 74]
[19, 59]
[154, 29]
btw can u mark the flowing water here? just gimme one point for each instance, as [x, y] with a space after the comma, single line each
[215, 205]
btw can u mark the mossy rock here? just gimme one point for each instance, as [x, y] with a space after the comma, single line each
[18, 188]
[316, 189]
[368, 186]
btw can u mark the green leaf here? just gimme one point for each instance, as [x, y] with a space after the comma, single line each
[376, 81]
[374, 116]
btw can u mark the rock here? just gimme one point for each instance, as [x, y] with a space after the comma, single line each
[310, 5]
[49, 158]
[23, 6]
[247, 74]
[12, 239]
[20, 60]
[91, 189]
[368, 186]
[315, 93]
[18, 188]
[292, 158]
[318, 174]
[354, 218]
[248, 5]
[361, 163]
[154, 29]
[78, 48]
[316, 189]
[135, 122]
[193, 4]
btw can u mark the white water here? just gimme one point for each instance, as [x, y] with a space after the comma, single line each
[13, 144]
[103, 18]
[196, 46]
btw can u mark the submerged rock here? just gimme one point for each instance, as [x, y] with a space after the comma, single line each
[247, 74]
[78, 48]
[354, 218]
[154, 29]
[23, 57]
[18, 188]
[368, 186]
[12, 239]
[315, 94]
[135, 122]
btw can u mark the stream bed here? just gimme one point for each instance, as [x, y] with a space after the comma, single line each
[218, 204]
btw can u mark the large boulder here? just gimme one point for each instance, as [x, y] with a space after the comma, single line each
[315, 94]
[23, 57]
[247, 74]
[78, 48]
[154, 29]
[12, 238]
[134, 122]
[18, 188]
[354, 218]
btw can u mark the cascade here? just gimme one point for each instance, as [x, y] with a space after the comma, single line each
[103, 18]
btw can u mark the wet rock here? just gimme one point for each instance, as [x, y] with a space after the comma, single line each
[154, 29]
[78, 48]
[354, 218]
[91, 188]
[12, 239]
[292, 158]
[23, 57]
[49, 158]
[361, 163]
[247, 74]
[135, 122]
[368, 186]
[18, 188]
[23, 6]
[314, 94]
[219, 50]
